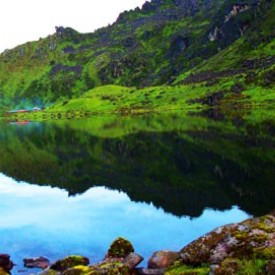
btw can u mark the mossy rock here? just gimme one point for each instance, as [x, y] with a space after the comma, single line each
[114, 268]
[3, 272]
[80, 270]
[237, 266]
[228, 266]
[69, 262]
[267, 253]
[101, 269]
[120, 248]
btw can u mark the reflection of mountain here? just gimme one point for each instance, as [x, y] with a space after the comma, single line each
[181, 171]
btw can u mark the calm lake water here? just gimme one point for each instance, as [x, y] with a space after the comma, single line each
[73, 186]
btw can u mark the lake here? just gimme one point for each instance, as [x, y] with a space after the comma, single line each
[161, 181]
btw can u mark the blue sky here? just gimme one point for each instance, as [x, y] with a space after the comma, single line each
[27, 20]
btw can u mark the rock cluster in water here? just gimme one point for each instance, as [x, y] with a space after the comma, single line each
[246, 248]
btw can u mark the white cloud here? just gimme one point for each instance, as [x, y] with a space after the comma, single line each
[23, 21]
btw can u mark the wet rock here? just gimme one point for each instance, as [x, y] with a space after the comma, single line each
[253, 238]
[39, 262]
[120, 248]
[5, 263]
[162, 259]
[69, 262]
[145, 271]
[132, 260]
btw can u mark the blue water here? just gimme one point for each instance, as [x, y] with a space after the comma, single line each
[45, 221]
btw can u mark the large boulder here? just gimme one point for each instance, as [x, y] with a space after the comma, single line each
[253, 238]
[163, 259]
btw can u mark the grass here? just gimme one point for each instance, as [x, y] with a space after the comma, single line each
[187, 270]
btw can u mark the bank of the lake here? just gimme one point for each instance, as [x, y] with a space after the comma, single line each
[242, 248]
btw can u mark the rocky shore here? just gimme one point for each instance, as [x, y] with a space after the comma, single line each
[243, 248]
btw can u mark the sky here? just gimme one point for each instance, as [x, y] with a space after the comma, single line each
[28, 20]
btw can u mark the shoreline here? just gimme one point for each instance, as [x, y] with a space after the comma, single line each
[248, 246]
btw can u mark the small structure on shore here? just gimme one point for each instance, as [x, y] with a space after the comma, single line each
[20, 111]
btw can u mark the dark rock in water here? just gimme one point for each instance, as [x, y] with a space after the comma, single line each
[39, 262]
[70, 262]
[144, 271]
[5, 263]
[132, 260]
[253, 238]
[163, 259]
[120, 248]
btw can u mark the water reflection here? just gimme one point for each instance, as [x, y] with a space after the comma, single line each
[45, 221]
[182, 164]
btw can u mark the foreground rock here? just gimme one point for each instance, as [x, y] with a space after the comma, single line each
[69, 262]
[253, 238]
[5, 263]
[162, 259]
[132, 260]
[247, 247]
[39, 262]
[120, 259]
[120, 248]
[244, 248]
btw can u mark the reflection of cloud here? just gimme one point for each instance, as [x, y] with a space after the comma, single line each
[36, 219]
[21, 189]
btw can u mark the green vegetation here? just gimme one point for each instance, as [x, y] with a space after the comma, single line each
[169, 55]
[70, 261]
[228, 266]
[179, 269]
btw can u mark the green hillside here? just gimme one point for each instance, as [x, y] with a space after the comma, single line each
[169, 54]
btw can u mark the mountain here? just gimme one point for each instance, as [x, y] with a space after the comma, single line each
[204, 52]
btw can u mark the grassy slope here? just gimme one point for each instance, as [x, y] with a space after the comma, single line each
[143, 48]
[256, 91]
